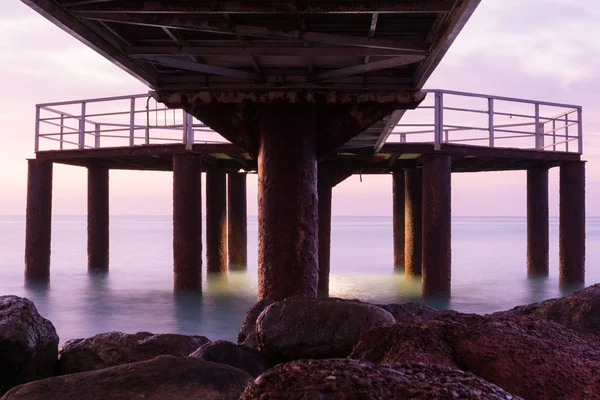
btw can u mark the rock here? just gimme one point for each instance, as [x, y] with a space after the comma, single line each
[164, 377]
[526, 356]
[224, 352]
[350, 379]
[116, 348]
[579, 311]
[409, 313]
[315, 328]
[247, 334]
[28, 343]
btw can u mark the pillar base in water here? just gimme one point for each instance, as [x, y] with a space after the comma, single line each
[216, 222]
[237, 226]
[413, 224]
[572, 224]
[398, 219]
[537, 222]
[98, 219]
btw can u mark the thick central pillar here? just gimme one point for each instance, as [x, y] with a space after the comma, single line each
[572, 223]
[413, 222]
[398, 196]
[39, 219]
[187, 223]
[287, 201]
[237, 221]
[437, 258]
[216, 222]
[97, 219]
[537, 222]
[325, 189]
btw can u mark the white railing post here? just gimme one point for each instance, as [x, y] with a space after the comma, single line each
[97, 136]
[37, 129]
[491, 120]
[439, 119]
[538, 141]
[62, 130]
[580, 130]
[188, 131]
[82, 127]
[567, 133]
[132, 122]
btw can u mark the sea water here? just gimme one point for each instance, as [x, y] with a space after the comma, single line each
[489, 273]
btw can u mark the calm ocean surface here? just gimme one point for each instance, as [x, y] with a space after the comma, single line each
[488, 256]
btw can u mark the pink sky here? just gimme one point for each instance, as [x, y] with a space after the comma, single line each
[537, 49]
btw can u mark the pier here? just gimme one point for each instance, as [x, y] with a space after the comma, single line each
[304, 95]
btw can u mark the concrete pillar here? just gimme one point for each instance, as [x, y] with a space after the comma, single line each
[572, 223]
[437, 258]
[187, 223]
[413, 221]
[287, 202]
[216, 222]
[537, 222]
[398, 219]
[97, 219]
[237, 225]
[38, 220]
[325, 190]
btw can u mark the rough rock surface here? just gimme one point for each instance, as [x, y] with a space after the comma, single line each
[339, 379]
[409, 313]
[165, 377]
[224, 352]
[529, 357]
[579, 311]
[298, 328]
[28, 343]
[247, 334]
[116, 348]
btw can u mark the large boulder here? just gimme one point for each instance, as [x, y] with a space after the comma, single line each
[28, 343]
[349, 379]
[529, 357]
[165, 377]
[315, 328]
[580, 310]
[115, 348]
[224, 352]
[247, 334]
[409, 313]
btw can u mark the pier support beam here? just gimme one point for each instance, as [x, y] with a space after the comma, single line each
[287, 202]
[38, 220]
[437, 258]
[572, 223]
[97, 219]
[398, 194]
[216, 222]
[537, 222]
[237, 225]
[327, 180]
[413, 222]
[187, 223]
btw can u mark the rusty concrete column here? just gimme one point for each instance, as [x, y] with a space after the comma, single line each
[398, 219]
[325, 190]
[537, 222]
[572, 223]
[97, 219]
[187, 223]
[287, 202]
[413, 215]
[216, 222]
[38, 220]
[237, 225]
[437, 258]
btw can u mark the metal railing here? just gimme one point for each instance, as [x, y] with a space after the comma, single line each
[122, 121]
[444, 117]
[492, 121]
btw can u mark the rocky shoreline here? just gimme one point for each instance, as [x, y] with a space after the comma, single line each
[303, 348]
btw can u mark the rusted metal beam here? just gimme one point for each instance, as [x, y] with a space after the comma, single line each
[204, 68]
[193, 24]
[64, 20]
[388, 129]
[370, 67]
[257, 7]
[283, 51]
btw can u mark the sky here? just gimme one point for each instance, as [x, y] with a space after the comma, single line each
[536, 49]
